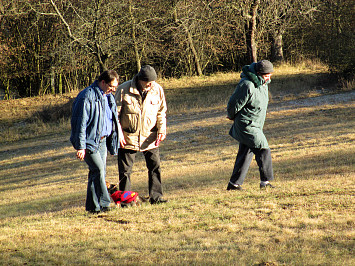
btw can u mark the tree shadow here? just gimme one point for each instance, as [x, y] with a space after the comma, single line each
[54, 203]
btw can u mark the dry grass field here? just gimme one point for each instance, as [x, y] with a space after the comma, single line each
[307, 220]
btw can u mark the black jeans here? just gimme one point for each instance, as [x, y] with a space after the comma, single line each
[126, 160]
[243, 160]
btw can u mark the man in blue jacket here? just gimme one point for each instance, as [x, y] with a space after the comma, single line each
[247, 108]
[94, 130]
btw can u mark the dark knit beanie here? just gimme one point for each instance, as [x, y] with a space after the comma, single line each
[147, 73]
[264, 67]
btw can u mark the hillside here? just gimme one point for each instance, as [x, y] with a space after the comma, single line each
[307, 220]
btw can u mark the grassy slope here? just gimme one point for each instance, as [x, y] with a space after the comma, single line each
[308, 219]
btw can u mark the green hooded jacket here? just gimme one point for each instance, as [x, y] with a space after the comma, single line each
[247, 107]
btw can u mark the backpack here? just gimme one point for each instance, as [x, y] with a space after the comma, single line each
[124, 197]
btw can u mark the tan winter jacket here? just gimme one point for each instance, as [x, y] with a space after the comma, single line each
[141, 122]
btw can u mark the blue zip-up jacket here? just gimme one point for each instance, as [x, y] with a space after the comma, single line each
[88, 119]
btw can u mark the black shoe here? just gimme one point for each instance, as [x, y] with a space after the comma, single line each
[128, 205]
[268, 185]
[158, 201]
[233, 187]
[94, 212]
[105, 209]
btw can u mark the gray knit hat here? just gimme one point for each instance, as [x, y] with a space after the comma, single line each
[147, 73]
[264, 67]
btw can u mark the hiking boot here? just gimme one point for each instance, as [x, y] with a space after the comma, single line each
[234, 187]
[93, 212]
[158, 201]
[268, 185]
[105, 209]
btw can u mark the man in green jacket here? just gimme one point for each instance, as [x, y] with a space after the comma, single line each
[247, 108]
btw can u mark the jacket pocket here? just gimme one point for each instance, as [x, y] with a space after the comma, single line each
[154, 101]
[129, 117]
[112, 143]
[129, 122]
[152, 106]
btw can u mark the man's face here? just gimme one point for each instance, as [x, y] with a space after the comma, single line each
[266, 77]
[111, 86]
[146, 84]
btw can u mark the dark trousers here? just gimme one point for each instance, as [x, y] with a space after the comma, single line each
[126, 160]
[97, 195]
[243, 160]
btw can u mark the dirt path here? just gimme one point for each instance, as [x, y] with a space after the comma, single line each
[345, 97]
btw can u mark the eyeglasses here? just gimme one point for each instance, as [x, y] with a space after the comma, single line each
[112, 87]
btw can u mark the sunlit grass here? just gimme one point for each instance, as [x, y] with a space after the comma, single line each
[289, 82]
[307, 220]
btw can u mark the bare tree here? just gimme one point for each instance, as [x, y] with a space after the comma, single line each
[94, 42]
[245, 15]
[184, 14]
[190, 29]
[28, 43]
[140, 24]
[331, 36]
[49, 45]
[278, 16]
[133, 34]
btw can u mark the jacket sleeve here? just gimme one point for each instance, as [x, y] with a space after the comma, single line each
[238, 100]
[161, 115]
[80, 116]
[118, 100]
[112, 141]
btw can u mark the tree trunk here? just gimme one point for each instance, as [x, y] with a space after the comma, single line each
[191, 43]
[60, 83]
[250, 32]
[7, 90]
[52, 80]
[277, 48]
[134, 39]
[194, 52]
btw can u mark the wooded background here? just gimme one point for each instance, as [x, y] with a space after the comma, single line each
[54, 46]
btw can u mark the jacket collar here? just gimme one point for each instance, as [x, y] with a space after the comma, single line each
[96, 88]
[133, 87]
[250, 74]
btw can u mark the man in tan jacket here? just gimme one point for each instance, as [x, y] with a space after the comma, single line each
[141, 110]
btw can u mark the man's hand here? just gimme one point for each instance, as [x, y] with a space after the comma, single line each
[80, 154]
[160, 138]
[122, 142]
